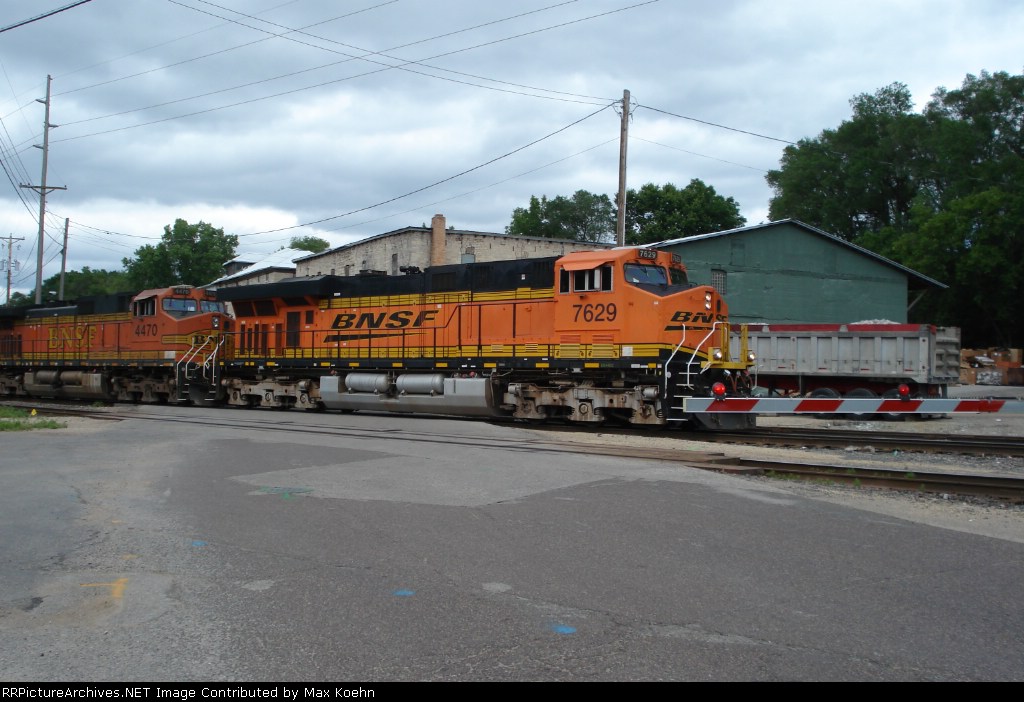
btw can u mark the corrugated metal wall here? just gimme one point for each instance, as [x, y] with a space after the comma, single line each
[786, 274]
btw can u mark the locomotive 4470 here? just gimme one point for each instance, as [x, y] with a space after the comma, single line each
[592, 336]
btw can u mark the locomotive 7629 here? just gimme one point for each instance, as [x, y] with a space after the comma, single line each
[591, 336]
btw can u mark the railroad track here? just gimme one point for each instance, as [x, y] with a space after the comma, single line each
[988, 445]
[1005, 489]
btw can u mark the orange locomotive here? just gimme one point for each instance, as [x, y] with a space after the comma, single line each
[111, 347]
[614, 334]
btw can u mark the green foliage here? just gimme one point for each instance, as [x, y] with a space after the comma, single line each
[858, 177]
[658, 213]
[654, 213]
[188, 254]
[583, 217]
[313, 244]
[88, 282]
[76, 284]
[14, 419]
[941, 192]
[20, 300]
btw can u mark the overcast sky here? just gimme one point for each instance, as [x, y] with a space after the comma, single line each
[273, 119]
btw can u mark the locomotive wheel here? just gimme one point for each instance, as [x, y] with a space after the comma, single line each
[861, 393]
[825, 393]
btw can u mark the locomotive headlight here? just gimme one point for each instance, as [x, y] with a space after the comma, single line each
[717, 354]
[216, 322]
[751, 357]
[707, 300]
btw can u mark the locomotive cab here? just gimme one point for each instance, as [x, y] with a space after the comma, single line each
[177, 303]
[190, 323]
[636, 308]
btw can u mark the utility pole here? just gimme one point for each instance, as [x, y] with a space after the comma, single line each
[64, 258]
[42, 189]
[9, 262]
[620, 200]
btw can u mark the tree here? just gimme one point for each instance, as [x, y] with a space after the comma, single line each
[309, 243]
[583, 217]
[88, 282]
[658, 213]
[859, 177]
[188, 254]
[975, 245]
[20, 300]
[941, 192]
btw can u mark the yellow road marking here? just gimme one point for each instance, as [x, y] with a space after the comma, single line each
[116, 587]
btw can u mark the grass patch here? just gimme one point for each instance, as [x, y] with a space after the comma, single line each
[14, 419]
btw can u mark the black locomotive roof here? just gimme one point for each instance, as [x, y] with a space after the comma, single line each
[87, 304]
[476, 277]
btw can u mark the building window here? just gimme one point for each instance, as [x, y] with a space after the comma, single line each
[348, 269]
[394, 264]
[718, 281]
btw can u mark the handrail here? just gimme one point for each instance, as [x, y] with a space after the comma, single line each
[211, 360]
[668, 362]
[193, 353]
[696, 349]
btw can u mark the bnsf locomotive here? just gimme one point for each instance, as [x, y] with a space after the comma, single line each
[590, 336]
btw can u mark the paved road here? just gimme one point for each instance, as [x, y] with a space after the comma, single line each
[165, 551]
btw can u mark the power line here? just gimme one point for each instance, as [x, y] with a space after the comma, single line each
[718, 126]
[436, 183]
[403, 65]
[51, 13]
[694, 153]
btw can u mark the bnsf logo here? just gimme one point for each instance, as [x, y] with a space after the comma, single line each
[382, 320]
[682, 318]
[78, 337]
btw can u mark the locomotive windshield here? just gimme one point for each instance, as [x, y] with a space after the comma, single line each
[648, 275]
[678, 276]
[180, 305]
[655, 279]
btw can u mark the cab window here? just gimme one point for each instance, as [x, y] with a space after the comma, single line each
[587, 280]
[144, 308]
[638, 274]
[208, 306]
[678, 276]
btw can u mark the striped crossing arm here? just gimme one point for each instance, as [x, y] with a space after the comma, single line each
[827, 405]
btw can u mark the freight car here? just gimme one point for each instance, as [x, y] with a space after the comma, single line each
[616, 334]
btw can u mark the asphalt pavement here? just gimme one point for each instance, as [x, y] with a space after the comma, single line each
[363, 548]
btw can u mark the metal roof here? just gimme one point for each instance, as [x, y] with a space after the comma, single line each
[912, 274]
[282, 259]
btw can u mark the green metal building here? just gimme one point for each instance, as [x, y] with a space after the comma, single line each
[788, 272]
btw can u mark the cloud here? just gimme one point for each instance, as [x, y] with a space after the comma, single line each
[284, 115]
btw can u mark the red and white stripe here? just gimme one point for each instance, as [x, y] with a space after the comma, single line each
[828, 405]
